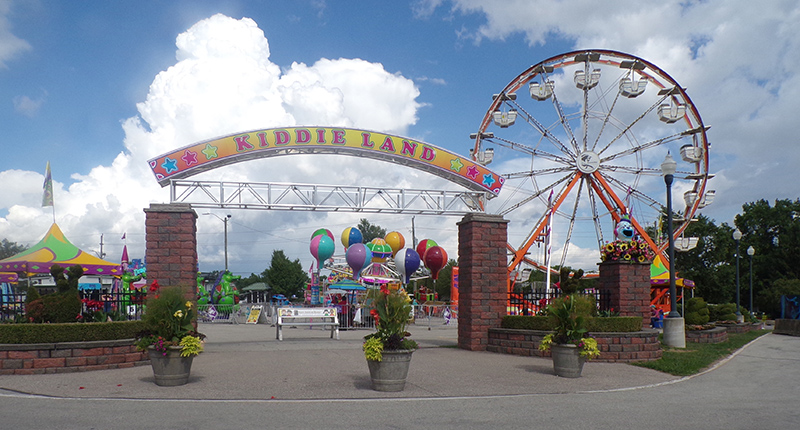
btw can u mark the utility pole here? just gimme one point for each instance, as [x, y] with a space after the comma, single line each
[102, 254]
[413, 234]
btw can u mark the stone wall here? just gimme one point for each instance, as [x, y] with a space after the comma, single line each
[40, 358]
[790, 327]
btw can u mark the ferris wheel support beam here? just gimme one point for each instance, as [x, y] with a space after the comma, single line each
[599, 178]
[519, 255]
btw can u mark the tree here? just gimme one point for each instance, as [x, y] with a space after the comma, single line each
[711, 265]
[445, 280]
[10, 249]
[370, 231]
[284, 276]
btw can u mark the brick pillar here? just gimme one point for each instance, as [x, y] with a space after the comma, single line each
[171, 246]
[483, 278]
[629, 284]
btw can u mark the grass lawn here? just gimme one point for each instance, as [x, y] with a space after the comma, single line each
[699, 356]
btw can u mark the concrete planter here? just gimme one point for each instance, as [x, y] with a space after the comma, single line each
[171, 369]
[391, 372]
[567, 361]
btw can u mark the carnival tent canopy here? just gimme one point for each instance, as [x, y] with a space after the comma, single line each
[348, 284]
[258, 286]
[659, 275]
[55, 248]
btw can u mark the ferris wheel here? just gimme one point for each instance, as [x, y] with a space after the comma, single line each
[593, 127]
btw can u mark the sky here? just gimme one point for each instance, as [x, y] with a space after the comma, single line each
[97, 88]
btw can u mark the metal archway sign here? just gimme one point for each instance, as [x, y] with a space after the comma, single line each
[207, 155]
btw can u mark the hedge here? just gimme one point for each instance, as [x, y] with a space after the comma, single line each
[68, 332]
[598, 325]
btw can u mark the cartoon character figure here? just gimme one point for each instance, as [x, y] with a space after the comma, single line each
[624, 230]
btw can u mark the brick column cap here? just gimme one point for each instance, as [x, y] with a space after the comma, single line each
[171, 208]
[482, 217]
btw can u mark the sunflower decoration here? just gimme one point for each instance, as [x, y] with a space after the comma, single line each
[630, 251]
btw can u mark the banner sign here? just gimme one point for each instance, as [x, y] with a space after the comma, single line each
[207, 155]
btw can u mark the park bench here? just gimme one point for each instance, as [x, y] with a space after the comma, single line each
[307, 317]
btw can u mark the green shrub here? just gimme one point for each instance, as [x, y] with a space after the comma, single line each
[69, 332]
[614, 324]
[696, 311]
[535, 322]
[595, 325]
[33, 294]
[723, 312]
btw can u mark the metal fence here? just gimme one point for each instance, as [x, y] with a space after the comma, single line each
[535, 301]
[790, 307]
[116, 305]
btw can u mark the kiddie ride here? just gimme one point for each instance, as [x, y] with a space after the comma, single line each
[382, 261]
[219, 301]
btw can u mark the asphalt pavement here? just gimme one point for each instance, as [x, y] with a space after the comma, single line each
[245, 361]
[247, 378]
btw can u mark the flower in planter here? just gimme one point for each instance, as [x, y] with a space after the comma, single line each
[391, 309]
[630, 251]
[168, 319]
[569, 314]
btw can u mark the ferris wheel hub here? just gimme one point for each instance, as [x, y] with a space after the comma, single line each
[588, 162]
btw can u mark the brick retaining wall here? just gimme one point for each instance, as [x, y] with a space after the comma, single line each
[714, 335]
[614, 347]
[39, 358]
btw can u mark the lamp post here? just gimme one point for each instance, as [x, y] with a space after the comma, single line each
[737, 236]
[224, 221]
[751, 252]
[674, 330]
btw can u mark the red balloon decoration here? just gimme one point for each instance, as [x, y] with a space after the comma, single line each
[435, 259]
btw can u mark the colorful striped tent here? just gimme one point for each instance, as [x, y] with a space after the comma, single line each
[55, 248]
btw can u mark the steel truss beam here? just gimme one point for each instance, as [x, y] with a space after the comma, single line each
[324, 198]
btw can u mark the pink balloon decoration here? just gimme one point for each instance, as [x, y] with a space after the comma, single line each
[322, 248]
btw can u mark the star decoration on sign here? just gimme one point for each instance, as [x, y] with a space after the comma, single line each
[210, 151]
[170, 165]
[189, 157]
[456, 165]
[488, 180]
[472, 172]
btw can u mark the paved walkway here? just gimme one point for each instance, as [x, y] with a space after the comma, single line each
[246, 362]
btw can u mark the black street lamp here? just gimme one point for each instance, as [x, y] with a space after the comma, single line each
[751, 252]
[737, 236]
[674, 330]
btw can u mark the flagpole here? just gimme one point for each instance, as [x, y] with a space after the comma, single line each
[47, 196]
[548, 245]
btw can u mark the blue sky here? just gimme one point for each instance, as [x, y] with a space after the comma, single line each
[94, 87]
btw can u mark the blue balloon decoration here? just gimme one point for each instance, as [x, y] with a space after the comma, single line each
[407, 262]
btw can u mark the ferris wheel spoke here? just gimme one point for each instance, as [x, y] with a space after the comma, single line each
[547, 134]
[627, 129]
[642, 147]
[538, 172]
[527, 149]
[606, 119]
[649, 171]
[598, 227]
[630, 191]
[572, 221]
[536, 194]
[565, 124]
